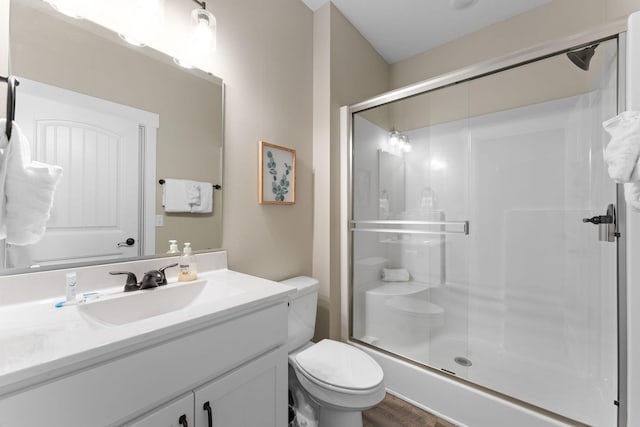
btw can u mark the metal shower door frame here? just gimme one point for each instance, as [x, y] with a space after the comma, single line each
[616, 30]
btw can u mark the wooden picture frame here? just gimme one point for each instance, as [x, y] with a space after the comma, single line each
[277, 175]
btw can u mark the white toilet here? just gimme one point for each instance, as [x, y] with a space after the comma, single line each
[339, 378]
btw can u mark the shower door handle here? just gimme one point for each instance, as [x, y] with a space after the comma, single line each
[606, 225]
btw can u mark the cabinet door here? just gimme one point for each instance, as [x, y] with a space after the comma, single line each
[178, 413]
[252, 395]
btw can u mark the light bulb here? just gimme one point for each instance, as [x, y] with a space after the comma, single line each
[204, 33]
[394, 138]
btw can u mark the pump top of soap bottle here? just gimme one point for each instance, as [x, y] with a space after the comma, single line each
[173, 247]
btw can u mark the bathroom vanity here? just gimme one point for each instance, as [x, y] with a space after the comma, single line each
[212, 355]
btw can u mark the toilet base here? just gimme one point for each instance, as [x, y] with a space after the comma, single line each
[329, 417]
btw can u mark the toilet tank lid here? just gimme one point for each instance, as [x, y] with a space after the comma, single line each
[304, 284]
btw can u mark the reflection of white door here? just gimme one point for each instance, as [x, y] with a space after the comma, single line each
[98, 202]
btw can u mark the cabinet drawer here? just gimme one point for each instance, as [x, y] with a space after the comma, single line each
[129, 386]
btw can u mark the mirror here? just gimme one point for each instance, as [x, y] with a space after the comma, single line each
[174, 120]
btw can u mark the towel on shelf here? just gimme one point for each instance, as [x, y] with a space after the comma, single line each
[395, 275]
[183, 195]
[29, 188]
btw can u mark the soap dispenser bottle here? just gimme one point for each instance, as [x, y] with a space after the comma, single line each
[188, 270]
[173, 248]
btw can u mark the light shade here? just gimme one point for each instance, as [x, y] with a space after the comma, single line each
[204, 32]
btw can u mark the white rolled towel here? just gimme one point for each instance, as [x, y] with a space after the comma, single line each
[29, 188]
[395, 275]
[623, 150]
[632, 195]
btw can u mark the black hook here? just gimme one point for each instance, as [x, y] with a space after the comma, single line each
[11, 102]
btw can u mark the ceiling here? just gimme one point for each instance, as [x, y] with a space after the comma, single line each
[400, 29]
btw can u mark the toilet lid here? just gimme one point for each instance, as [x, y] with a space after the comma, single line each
[340, 365]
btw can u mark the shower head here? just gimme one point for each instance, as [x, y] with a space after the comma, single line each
[582, 57]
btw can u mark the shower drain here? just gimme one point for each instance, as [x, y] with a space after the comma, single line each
[463, 361]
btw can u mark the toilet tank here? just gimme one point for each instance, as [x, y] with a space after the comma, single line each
[302, 311]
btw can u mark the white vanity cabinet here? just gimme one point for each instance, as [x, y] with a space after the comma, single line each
[248, 396]
[237, 362]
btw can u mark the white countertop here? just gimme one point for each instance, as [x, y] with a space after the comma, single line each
[40, 341]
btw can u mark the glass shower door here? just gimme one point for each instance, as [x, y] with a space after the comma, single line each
[470, 253]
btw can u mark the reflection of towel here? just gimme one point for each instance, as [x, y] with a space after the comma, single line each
[179, 194]
[623, 153]
[205, 201]
[182, 195]
[29, 187]
[395, 275]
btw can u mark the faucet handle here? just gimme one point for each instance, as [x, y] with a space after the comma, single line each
[132, 281]
[164, 277]
[151, 279]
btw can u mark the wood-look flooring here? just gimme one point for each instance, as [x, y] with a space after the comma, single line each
[395, 412]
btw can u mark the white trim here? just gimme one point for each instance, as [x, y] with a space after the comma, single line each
[32, 87]
[633, 237]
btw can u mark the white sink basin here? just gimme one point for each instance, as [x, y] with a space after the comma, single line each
[126, 307]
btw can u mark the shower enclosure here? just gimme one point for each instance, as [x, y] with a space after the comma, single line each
[472, 246]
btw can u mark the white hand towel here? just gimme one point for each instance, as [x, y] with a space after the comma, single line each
[205, 203]
[632, 194]
[29, 188]
[178, 195]
[623, 151]
[395, 275]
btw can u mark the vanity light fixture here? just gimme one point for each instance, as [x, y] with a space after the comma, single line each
[397, 144]
[204, 34]
[200, 41]
[140, 21]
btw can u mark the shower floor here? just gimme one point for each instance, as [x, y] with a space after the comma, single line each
[557, 390]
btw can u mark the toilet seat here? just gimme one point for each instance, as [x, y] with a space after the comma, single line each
[352, 395]
[339, 365]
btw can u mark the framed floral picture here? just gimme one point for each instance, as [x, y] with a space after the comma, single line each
[277, 175]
